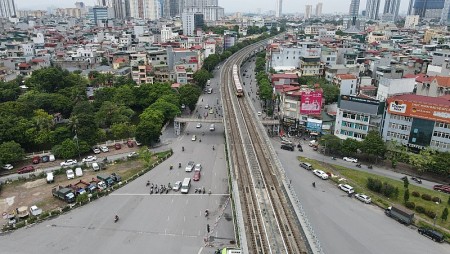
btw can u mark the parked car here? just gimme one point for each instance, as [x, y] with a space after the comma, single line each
[90, 158]
[78, 172]
[45, 158]
[132, 155]
[350, 159]
[196, 176]
[347, 188]
[206, 106]
[363, 198]
[259, 113]
[198, 167]
[194, 137]
[96, 150]
[50, 178]
[199, 125]
[70, 174]
[26, 169]
[117, 146]
[288, 147]
[8, 167]
[320, 174]
[104, 149]
[190, 166]
[442, 188]
[130, 143]
[36, 160]
[434, 235]
[51, 157]
[177, 186]
[68, 163]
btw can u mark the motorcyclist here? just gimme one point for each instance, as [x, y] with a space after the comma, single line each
[314, 184]
[182, 148]
[213, 148]
[206, 213]
[116, 218]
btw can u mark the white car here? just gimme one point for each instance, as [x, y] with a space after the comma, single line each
[190, 166]
[198, 167]
[7, 167]
[68, 163]
[363, 198]
[104, 149]
[70, 174]
[194, 137]
[347, 188]
[350, 159]
[132, 154]
[177, 186]
[320, 174]
[96, 150]
[90, 158]
[259, 113]
[207, 106]
[199, 125]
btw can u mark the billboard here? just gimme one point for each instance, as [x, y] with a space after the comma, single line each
[311, 103]
[419, 110]
[358, 104]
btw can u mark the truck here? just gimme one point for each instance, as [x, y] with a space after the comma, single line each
[63, 193]
[400, 214]
[89, 187]
[106, 178]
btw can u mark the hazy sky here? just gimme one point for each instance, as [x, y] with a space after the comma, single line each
[289, 6]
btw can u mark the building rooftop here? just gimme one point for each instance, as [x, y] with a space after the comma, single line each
[441, 101]
[443, 81]
[346, 76]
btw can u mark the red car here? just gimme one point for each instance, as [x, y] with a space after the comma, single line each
[117, 146]
[196, 176]
[130, 143]
[25, 169]
[36, 160]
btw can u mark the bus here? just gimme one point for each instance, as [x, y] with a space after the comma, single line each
[186, 185]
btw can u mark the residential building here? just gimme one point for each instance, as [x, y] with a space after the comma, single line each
[118, 7]
[192, 22]
[388, 87]
[172, 8]
[284, 57]
[7, 8]
[391, 8]
[439, 86]
[308, 11]
[319, 9]
[347, 83]
[410, 10]
[372, 9]
[356, 116]
[354, 8]
[279, 8]
[144, 9]
[209, 8]
[418, 121]
[98, 15]
[411, 21]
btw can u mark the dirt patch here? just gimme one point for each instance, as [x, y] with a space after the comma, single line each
[38, 192]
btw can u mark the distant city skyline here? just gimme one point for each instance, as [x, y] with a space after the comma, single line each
[289, 6]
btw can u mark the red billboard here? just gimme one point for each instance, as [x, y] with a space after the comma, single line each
[311, 103]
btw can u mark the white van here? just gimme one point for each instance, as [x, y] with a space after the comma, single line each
[51, 157]
[212, 127]
[50, 177]
[78, 172]
[186, 185]
[95, 166]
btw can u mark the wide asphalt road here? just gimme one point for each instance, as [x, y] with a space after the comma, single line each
[346, 225]
[150, 223]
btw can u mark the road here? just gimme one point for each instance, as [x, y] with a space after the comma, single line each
[157, 223]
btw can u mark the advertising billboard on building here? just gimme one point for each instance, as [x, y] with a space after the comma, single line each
[358, 104]
[311, 103]
[419, 110]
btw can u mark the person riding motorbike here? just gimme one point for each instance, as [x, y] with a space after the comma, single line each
[213, 148]
[116, 218]
[206, 213]
[314, 184]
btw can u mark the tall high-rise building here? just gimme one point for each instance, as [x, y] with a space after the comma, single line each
[7, 8]
[308, 11]
[144, 9]
[319, 9]
[118, 7]
[210, 8]
[445, 15]
[98, 14]
[279, 9]
[428, 8]
[354, 8]
[126, 7]
[372, 9]
[191, 22]
[390, 12]
[410, 7]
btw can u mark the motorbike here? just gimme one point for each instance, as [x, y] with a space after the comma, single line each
[148, 183]
[416, 179]
[151, 191]
[156, 190]
[206, 213]
[314, 184]
[369, 167]
[116, 219]
[358, 165]
[196, 190]
[213, 148]
[199, 140]
[167, 191]
[203, 190]
[203, 134]
[333, 158]
[182, 149]
[179, 165]
[171, 166]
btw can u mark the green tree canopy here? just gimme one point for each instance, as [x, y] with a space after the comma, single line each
[189, 95]
[110, 113]
[373, 144]
[11, 152]
[149, 127]
[332, 143]
[201, 77]
[350, 146]
[169, 110]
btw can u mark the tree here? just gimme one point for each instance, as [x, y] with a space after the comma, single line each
[11, 152]
[423, 160]
[110, 113]
[332, 143]
[69, 148]
[189, 95]
[441, 163]
[123, 130]
[444, 214]
[149, 127]
[350, 146]
[373, 144]
[406, 196]
[124, 95]
[405, 182]
[211, 62]
[43, 125]
[169, 110]
[201, 77]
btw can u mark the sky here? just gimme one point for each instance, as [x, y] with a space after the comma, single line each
[289, 6]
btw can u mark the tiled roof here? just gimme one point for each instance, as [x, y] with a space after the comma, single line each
[443, 81]
[443, 100]
[346, 76]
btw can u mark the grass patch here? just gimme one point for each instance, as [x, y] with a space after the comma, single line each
[358, 179]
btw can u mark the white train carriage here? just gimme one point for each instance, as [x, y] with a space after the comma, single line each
[237, 82]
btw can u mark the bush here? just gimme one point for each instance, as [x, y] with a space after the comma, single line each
[44, 215]
[82, 198]
[374, 184]
[426, 197]
[415, 194]
[436, 200]
[410, 205]
[388, 190]
[420, 209]
[430, 214]
[65, 208]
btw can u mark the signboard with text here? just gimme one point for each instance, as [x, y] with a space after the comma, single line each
[311, 103]
[419, 110]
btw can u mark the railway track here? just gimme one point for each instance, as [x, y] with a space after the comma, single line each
[270, 224]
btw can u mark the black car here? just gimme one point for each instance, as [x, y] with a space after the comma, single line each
[45, 158]
[287, 147]
[434, 235]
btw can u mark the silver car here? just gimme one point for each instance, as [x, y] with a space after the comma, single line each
[363, 198]
[190, 166]
[176, 186]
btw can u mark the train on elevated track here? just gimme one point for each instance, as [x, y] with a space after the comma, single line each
[237, 81]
